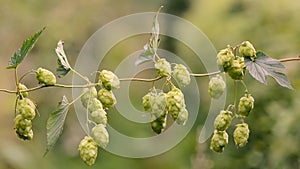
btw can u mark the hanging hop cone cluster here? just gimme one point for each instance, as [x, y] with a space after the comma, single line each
[233, 64]
[160, 104]
[96, 103]
[216, 87]
[25, 113]
[220, 136]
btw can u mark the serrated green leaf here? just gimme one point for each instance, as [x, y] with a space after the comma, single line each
[21, 53]
[146, 56]
[56, 122]
[63, 64]
[264, 66]
[151, 47]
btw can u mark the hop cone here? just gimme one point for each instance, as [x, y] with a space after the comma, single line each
[181, 74]
[109, 80]
[219, 141]
[45, 76]
[88, 150]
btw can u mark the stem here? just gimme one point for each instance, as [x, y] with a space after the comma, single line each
[205, 74]
[80, 75]
[290, 59]
[235, 96]
[141, 79]
[244, 84]
[27, 73]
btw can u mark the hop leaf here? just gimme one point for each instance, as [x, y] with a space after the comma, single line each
[223, 120]
[163, 67]
[100, 135]
[241, 134]
[26, 47]
[216, 87]
[88, 150]
[181, 74]
[45, 76]
[219, 141]
[109, 80]
[246, 104]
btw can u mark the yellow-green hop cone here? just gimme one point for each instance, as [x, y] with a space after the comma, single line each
[158, 125]
[158, 103]
[216, 87]
[99, 117]
[94, 104]
[225, 58]
[146, 101]
[175, 102]
[219, 141]
[237, 69]
[107, 98]
[241, 134]
[88, 93]
[23, 127]
[247, 50]
[26, 108]
[88, 150]
[163, 67]
[45, 76]
[23, 87]
[100, 135]
[182, 117]
[246, 104]
[223, 120]
[181, 74]
[109, 80]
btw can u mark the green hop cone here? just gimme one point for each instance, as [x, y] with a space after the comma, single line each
[100, 135]
[94, 104]
[23, 127]
[88, 93]
[26, 108]
[237, 69]
[219, 141]
[109, 80]
[159, 124]
[247, 50]
[99, 117]
[45, 76]
[175, 102]
[88, 150]
[216, 87]
[241, 134]
[163, 67]
[146, 102]
[181, 74]
[223, 120]
[182, 117]
[23, 87]
[225, 58]
[107, 98]
[246, 104]
[158, 103]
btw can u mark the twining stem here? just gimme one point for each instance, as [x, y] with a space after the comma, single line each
[56, 85]
[235, 95]
[80, 75]
[244, 84]
[25, 74]
[141, 79]
[290, 59]
[205, 74]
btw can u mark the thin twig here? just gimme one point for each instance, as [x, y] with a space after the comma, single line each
[205, 74]
[290, 59]
[141, 79]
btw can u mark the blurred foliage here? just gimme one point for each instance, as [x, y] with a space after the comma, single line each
[272, 26]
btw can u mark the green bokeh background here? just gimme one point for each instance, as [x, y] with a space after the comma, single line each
[271, 25]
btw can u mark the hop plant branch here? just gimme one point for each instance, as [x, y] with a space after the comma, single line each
[290, 59]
